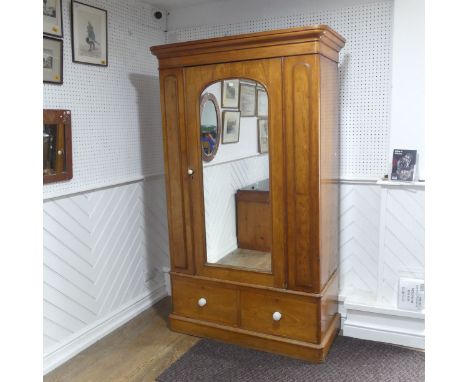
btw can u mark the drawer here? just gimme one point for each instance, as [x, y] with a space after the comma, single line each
[220, 300]
[298, 315]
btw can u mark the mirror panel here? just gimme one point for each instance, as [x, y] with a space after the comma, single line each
[236, 180]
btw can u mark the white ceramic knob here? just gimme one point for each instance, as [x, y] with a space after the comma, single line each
[190, 171]
[59, 152]
[277, 316]
[202, 302]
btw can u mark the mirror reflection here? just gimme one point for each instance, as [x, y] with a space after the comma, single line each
[49, 146]
[209, 126]
[236, 178]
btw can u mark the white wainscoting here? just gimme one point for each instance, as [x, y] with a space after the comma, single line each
[104, 253]
[381, 239]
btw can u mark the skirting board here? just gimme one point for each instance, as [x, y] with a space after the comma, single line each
[397, 328]
[94, 332]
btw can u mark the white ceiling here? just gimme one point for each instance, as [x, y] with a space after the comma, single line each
[173, 4]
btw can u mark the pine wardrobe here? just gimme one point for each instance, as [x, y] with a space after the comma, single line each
[250, 128]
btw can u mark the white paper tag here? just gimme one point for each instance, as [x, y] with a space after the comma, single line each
[411, 294]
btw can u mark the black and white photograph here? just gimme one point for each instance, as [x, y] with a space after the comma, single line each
[231, 126]
[262, 135]
[52, 18]
[89, 34]
[403, 165]
[230, 94]
[247, 100]
[52, 60]
[262, 103]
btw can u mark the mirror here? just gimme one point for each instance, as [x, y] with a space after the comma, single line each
[210, 125]
[56, 146]
[236, 180]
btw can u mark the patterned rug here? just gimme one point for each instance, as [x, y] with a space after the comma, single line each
[349, 360]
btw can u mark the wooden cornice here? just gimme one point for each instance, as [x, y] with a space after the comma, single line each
[278, 43]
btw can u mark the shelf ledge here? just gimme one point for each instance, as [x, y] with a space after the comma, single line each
[394, 183]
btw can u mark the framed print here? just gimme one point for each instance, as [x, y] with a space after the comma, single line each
[231, 126]
[230, 94]
[89, 34]
[52, 18]
[262, 135]
[52, 60]
[247, 100]
[262, 103]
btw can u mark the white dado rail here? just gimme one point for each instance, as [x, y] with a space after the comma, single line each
[373, 313]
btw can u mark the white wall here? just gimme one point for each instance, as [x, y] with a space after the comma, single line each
[407, 122]
[105, 231]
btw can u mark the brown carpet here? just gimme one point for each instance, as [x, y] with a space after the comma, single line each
[349, 360]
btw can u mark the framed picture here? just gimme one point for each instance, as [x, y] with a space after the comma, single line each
[262, 135]
[231, 126]
[262, 103]
[89, 34]
[52, 60]
[230, 94]
[52, 18]
[247, 100]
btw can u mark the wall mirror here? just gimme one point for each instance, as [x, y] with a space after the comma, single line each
[56, 146]
[210, 126]
[236, 181]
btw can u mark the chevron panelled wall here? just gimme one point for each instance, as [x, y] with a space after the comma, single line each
[402, 240]
[220, 185]
[381, 240]
[102, 251]
[359, 238]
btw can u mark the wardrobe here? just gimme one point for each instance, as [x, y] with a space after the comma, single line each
[251, 138]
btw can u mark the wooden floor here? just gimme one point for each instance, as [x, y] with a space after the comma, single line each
[248, 259]
[138, 351]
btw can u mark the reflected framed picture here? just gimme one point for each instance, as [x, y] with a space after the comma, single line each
[247, 100]
[52, 60]
[230, 94]
[52, 18]
[89, 34]
[262, 103]
[231, 126]
[262, 135]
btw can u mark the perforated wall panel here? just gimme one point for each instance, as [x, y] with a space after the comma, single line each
[116, 122]
[365, 76]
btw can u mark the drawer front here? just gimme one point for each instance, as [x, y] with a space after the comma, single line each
[220, 302]
[297, 319]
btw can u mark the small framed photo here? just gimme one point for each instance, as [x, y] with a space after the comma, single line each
[247, 100]
[52, 18]
[89, 34]
[231, 126]
[230, 94]
[52, 60]
[262, 103]
[262, 135]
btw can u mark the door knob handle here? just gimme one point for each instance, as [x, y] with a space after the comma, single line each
[190, 171]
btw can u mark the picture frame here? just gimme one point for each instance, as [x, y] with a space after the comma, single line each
[262, 103]
[52, 24]
[262, 135]
[230, 94]
[89, 34]
[56, 146]
[248, 99]
[231, 126]
[52, 60]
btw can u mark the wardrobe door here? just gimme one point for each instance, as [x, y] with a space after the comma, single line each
[177, 179]
[237, 192]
